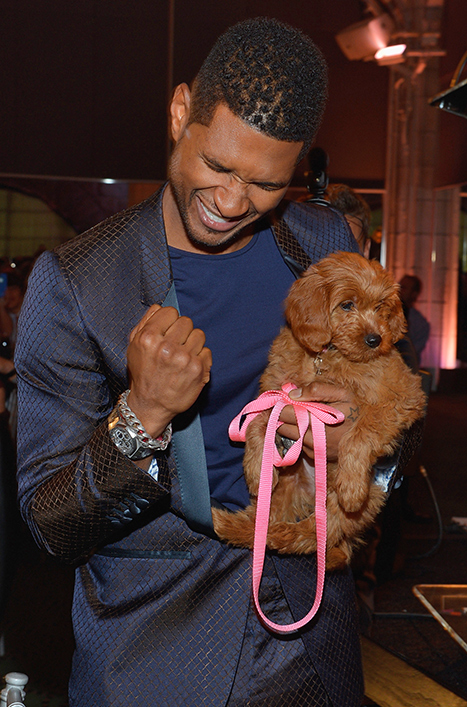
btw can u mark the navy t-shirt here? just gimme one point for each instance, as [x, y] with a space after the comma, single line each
[237, 300]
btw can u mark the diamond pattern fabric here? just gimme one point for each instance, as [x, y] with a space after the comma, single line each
[162, 615]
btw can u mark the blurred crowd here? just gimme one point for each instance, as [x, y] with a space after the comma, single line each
[14, 276]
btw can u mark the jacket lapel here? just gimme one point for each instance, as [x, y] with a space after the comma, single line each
[187, 443]
[156, 273]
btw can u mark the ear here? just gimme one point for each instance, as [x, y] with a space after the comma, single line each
[179, 111]
[307, 310]
[397, 321]
[366, 248]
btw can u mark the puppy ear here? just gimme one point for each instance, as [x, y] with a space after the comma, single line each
[397, 321]
[307, 310]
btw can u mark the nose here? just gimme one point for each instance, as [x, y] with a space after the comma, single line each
[232, 199]
[373, 340]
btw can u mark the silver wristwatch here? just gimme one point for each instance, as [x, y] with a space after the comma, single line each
[129, 435]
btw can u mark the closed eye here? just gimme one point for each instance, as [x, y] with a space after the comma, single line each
[347, 306]
[220, 169]
[217, 167]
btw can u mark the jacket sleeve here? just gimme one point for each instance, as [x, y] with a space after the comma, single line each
[76, 490]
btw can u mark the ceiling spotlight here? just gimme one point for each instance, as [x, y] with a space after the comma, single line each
[362, 39]
[394, 54]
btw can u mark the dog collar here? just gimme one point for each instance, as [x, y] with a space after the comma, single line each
[319, 358]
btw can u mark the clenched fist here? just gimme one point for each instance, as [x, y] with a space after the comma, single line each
[168, 366]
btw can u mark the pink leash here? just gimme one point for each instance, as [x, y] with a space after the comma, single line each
[320, 415]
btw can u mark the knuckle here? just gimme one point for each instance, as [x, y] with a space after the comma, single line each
[148, 338]
[196, 367]
[167, 349]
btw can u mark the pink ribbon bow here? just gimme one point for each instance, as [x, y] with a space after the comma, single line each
[319, 415]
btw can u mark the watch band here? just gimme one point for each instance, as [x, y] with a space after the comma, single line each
[129, 435]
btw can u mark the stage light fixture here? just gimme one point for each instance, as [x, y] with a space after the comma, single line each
[362, 39]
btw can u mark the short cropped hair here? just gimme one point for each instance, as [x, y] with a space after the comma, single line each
[267, 73]
[350, 203]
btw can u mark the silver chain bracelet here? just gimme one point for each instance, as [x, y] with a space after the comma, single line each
[132, 421]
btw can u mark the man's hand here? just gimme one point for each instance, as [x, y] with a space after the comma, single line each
[168, 367]
[338, 398]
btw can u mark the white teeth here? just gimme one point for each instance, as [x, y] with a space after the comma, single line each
[212, 216]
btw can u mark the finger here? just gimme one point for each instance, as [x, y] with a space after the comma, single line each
[206, 358]
[289, 431]
[163, 323]
[322, 392]
[147, 316]
[292, 432]
[176, 328]
[195, 341]
[288, 415]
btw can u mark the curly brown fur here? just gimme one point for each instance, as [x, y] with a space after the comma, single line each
[344, 316]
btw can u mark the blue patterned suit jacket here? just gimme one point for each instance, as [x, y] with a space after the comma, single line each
[154, 601]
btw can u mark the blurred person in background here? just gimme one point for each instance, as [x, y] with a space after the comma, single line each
[418, 326]
[356, 211]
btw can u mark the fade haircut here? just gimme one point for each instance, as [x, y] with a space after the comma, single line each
[267, 73]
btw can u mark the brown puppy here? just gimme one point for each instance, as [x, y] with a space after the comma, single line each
[344, 316]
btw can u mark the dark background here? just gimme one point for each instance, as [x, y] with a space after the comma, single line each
[84, 85]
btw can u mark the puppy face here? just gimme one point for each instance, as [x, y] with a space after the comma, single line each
[347, 301]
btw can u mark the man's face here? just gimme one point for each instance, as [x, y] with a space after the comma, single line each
[223, 177]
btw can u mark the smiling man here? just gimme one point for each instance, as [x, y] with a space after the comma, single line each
[159, 321]
[222, 178]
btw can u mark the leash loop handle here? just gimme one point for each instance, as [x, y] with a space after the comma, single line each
[306, 413]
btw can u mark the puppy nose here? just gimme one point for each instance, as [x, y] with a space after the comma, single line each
[373, 340]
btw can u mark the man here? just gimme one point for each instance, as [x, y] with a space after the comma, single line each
[356, 211]
[419, 326]
[162, 612]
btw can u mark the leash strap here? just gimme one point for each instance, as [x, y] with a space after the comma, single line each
[305, 412]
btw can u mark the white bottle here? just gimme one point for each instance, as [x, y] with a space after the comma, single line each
[13, 693]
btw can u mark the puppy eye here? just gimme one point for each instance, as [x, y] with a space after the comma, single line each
[347, 306]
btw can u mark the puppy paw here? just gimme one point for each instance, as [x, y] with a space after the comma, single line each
[351, 499]
[352, 485]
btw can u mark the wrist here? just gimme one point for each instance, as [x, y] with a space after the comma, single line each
[130, 436]
[151, 416]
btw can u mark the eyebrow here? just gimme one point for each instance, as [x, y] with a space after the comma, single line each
[217, 165]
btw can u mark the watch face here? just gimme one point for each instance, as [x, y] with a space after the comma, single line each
[125, 443]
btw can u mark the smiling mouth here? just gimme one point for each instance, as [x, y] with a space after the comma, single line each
[215, 222]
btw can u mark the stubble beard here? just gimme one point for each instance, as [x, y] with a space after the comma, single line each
[183, 205]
